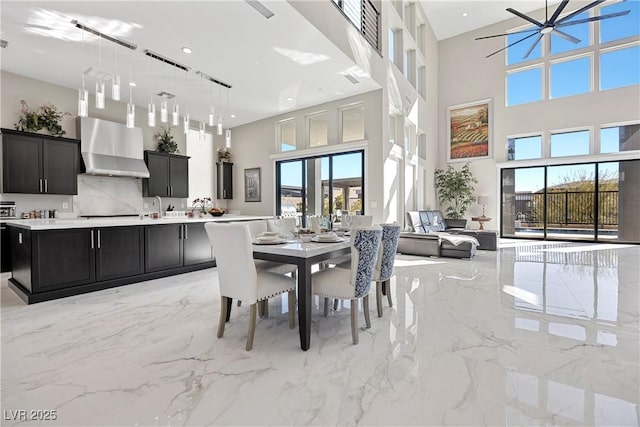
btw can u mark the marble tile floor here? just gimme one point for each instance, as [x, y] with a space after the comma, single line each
[534, 334]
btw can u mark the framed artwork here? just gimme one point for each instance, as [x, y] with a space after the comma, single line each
[469, 131]
[252, 185]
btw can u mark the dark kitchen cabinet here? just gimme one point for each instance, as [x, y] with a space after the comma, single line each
[119, 252]
[163, 247]
[5, 248]
[62, 258]
[39, 164]
[168, 175]
[225, 180]
[197, 247]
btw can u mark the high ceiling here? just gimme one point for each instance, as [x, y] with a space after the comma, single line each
[274, 65]
[447, 20]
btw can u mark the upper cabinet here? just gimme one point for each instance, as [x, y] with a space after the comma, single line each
[39, 164]
[168, 175]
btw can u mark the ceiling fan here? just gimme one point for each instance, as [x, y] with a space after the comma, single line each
[552, 25]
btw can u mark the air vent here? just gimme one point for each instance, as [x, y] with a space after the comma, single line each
[166, 60]
[351, 79]
[4, 44]
[213, 79]
[166, 95]
[98, 74]
[262, 9]
[104, 36]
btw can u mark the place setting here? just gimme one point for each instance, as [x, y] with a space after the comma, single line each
[330, 237]
[269, 238]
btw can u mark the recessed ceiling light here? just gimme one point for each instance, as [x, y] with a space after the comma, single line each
[132, 84]
[465, 14]
[233, 116]
[289, 98]
[186, 49]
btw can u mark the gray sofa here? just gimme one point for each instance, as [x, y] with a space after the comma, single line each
[429, 234]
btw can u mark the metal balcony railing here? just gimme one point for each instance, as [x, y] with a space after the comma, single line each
[568, 207]
[366, 18]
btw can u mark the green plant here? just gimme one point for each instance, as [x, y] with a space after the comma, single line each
[455, 190]
[166, 143]
[50, 118]
[202, 203]
[224, 155]
[29, 121]
[46, 117]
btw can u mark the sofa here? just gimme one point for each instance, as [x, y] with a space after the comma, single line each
[428, 233]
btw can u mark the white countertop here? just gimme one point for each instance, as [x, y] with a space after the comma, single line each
[55, 224]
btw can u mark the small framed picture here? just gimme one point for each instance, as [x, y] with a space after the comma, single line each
[469, 131]
[252, 185]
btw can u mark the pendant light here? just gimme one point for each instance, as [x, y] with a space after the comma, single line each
[227, 138]
[175, 112]
[151, 107]
[164, 112]
[83, 94]
[212, 111]
[185, 124]
[219, 117]
[202, 130]
[115, 81]
[100, 83]
[131, 108]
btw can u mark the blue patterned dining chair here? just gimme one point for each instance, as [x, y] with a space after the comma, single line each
[355, 283]
[384, 265]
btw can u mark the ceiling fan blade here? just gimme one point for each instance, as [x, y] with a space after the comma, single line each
[533, 46]
[579, 11]
[558, 11]
[525, 17]
[507, 34]
[565, 36]
[593, 19]
[506, 47]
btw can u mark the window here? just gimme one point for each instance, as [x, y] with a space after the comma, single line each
[391, 40]
[522, 148]
[524, 86]
[516, 53]
[352, 123]
[405, 63]
[571, 77]
[392, 129]
[570, 143]
[622, 26]
[286, 131]
[620, 138]
[579, 31]
[422, 146]
[422, 81]
[620, 67]
[317, 128]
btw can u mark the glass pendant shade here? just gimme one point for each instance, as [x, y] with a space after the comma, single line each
[164, 112]
[83, 102]
[219, 125]
[186, 124]
[115, 88]
[175, 115]
[100, 95]
[151, 114]
[202, 130]
[131, 115]
[227, 138]
[212, 117]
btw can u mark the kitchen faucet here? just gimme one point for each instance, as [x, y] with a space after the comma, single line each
[159, 206]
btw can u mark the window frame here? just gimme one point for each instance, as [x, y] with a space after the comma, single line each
[543, 84]
[358, 106]
[308, 118]
[565, 59]
[278, 142]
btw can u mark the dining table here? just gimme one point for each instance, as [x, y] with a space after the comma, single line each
[304, 255]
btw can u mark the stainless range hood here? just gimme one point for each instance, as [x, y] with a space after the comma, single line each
[110, 148]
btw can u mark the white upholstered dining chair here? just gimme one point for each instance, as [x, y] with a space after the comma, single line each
[355, 283]
[238, 277]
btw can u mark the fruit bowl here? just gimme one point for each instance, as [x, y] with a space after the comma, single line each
[216, 213]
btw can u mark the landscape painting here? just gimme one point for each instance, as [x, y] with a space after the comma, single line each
[469, 131]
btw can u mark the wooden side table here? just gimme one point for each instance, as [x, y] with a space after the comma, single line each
[481, 220]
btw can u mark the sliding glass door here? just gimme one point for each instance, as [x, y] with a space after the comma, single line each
[320, 185]
[586, 202]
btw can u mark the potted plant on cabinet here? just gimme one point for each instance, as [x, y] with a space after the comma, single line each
[456, 192]
[165, 140]
[45, 117]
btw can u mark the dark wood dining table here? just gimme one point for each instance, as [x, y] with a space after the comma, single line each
[304, 256]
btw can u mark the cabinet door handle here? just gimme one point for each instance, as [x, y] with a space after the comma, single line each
[224, 193]
[180, 232]
[46, 185]
[186, 232]
[171, 192]
[168, 190]
[98, 239]
[92, 239]
[3, 228]
[20, 238]
[40, 185]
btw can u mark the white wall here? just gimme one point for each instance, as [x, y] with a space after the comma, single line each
[465, 76]
[201, 165]
[252, 145]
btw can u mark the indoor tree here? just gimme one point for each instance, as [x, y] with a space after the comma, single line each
[455, 190]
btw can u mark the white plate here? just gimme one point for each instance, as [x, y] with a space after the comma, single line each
[269, 242]
[334, 240]
[269, 233]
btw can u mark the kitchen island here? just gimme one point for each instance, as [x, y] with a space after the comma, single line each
[56, 258]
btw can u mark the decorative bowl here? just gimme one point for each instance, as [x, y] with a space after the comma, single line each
[216, 213]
